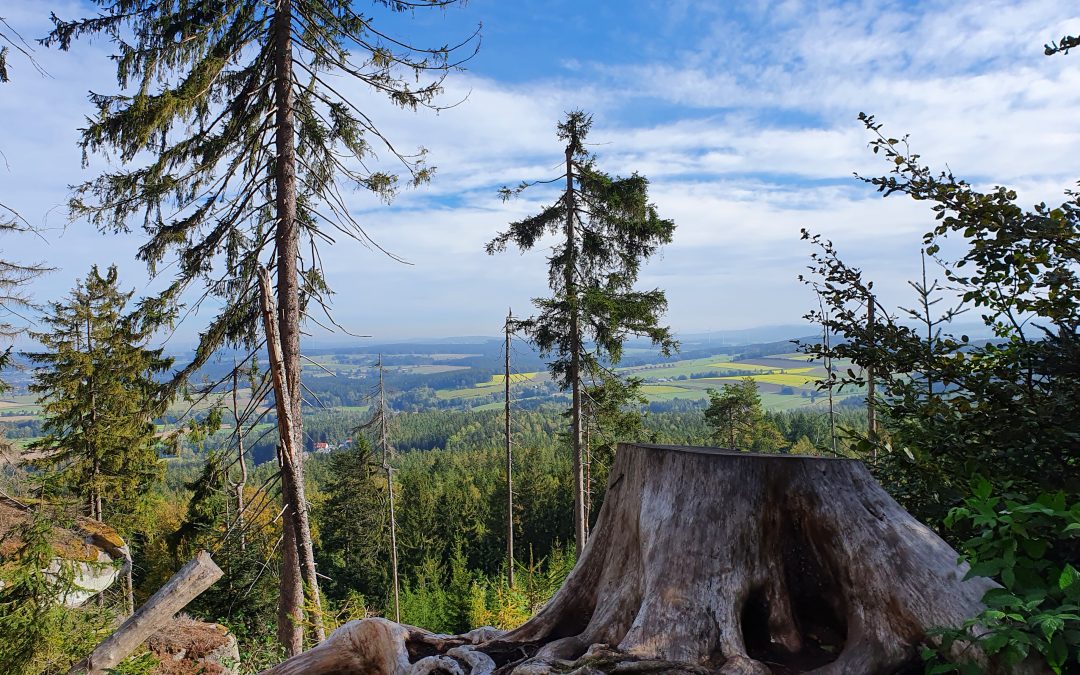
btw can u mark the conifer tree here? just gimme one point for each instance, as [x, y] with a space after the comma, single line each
[99, 396]
[379, 427]
[736, 418]
[234, 116]
[353, 523]
[606, 228]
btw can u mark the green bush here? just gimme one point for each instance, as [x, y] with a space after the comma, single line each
[1029, 547]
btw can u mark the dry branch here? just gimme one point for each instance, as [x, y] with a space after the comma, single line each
[192, 579]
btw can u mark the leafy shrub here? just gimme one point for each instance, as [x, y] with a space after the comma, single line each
[1029, 546]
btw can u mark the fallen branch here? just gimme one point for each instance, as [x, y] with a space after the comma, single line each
[192, 579]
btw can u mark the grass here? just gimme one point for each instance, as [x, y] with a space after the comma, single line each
[741, 366]
[24, 404]
[785, 379]
[649, 389]
[687, 367]
[776, 402]
[492, 386]
[353, 408]
[472, 392]
[515, 378]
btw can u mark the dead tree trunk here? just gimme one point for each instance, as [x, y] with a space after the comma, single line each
[192, 579]
[714, 561]
[292, 473]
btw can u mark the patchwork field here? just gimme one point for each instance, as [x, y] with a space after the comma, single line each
[19, 405]
[515, 378]
[784, 381]
[468, 375]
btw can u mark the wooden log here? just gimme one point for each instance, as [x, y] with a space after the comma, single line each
[192, 579]
[717, 561]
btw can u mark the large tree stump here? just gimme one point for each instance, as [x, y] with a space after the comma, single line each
[712, 561]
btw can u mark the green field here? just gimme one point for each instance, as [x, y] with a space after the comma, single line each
[19, 405]
[657, 389]
[731, 365]
[515, 378]
[674, 369]
[784, 380]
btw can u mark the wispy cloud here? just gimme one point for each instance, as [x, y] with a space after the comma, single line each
[743, 116]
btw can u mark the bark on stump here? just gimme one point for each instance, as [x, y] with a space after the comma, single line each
[712, 561]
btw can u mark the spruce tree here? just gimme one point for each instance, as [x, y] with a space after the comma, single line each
[353, 525]
[99, 395]
[240, 144]
[606, 228]
[737, 419]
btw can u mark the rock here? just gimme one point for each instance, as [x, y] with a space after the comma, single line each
[189, 647]
[98, 554]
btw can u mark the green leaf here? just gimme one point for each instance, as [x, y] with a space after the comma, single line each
[1049, 623]
[1069, 576]
[1008, 577]
[1035, 548]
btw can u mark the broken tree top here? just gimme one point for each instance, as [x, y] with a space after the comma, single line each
[706, 560]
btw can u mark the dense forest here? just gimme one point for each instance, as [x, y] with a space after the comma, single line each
[451, 490]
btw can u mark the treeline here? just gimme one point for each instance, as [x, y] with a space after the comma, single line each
[450, 494]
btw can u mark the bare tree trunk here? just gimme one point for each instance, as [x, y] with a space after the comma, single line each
[292, 473]
[239, 486]
[509, 463]
[714, 561]
[587, 444]
[95, 485]
[871, 403]
[383, 418]
[287, 238]
[575, 356]
[827, 345]
[129, 591]
[290, 616]
[928, 319]
[393, 544]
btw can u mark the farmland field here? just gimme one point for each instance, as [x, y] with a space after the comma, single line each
[469, 376]
[729, 365]
[515, 378]
[786, 379]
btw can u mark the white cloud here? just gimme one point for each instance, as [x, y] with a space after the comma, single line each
[751, 136]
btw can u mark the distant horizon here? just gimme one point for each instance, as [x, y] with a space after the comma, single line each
[729, 338]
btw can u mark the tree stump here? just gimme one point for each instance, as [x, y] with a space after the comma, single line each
[711, 561]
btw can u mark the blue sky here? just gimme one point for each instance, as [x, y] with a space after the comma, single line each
[742, 114]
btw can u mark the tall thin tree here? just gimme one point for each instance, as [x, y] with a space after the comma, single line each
[508, 328]
[379, 426]
[871, 383]
[606, 228]
[830, 375]
[238, 438]
[243, 138]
